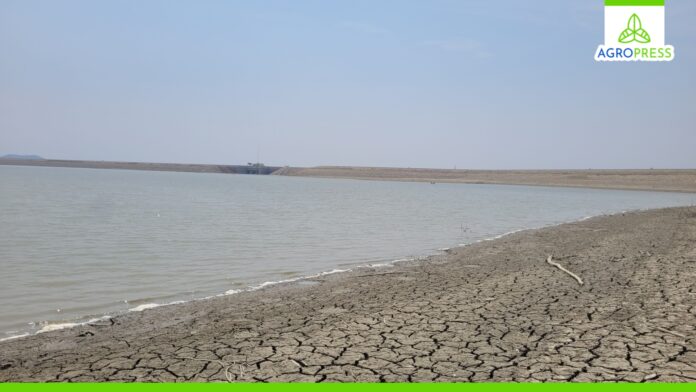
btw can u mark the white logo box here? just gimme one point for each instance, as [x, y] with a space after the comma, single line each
[616, 20]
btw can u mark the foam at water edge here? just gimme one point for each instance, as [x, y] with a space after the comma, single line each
[504, 235]
[56, 327]
[272, 283]
[142, 307]
[275, 282]
[98, 319]
[14, 337]
[385, 264]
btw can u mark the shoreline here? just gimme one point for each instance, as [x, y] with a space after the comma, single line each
[397, 324]
[657, 180]
[92, 319]
[249, 169]
[546, 185]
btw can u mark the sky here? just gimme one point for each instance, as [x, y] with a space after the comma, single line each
[440, 84]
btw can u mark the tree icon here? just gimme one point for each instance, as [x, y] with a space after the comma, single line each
[634, 32]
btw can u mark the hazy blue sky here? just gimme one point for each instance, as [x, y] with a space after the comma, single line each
[476, 84]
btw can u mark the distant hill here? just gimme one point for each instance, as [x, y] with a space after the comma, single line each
[18, 156]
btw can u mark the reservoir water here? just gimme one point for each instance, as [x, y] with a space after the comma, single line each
[77, 244]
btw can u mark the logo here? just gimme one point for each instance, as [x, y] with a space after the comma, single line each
[634, 30]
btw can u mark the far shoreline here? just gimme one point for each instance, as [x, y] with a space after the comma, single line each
[657, 180]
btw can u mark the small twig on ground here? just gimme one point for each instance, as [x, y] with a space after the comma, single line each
[671, 332]
[296, 363]
[560, 267]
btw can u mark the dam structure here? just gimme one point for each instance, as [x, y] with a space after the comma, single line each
[249, 168]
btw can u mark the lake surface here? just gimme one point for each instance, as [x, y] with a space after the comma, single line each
[77, 244]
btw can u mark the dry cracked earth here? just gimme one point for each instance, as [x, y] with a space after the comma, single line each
[493, 311]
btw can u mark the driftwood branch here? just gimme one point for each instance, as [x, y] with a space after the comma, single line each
[671, 332]
[560, 267]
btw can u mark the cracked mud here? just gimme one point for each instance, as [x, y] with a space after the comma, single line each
[493, 311]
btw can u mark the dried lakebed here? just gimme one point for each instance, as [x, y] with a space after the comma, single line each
[492, 311]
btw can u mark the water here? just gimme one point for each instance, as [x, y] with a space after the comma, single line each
[76, 244]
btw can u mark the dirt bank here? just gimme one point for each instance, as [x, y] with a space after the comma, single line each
[656, 180]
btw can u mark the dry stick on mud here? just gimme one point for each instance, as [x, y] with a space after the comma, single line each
[560, 267]
[671, 332]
